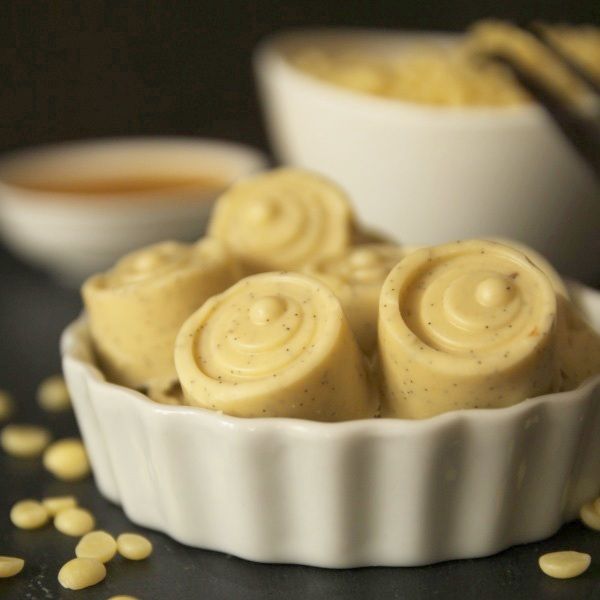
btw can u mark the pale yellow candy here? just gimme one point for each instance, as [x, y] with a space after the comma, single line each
[590, 515]
[54, 504]
[565, 564]
[282, 220]
[24, 441]
[356, 277]
[74, 521]
[597, 505]
[10, 566]
[274, 345]
[28, 514]
[80, 573]
[53, 395]
[6, 405]
[465, 325]
[134, 546]
[97, 544]
[136, 308]
[67, 459]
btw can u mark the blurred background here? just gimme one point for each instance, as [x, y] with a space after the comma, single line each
[98, 68]
[81, 70]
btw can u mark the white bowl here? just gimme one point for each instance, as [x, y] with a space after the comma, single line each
[427, 174]
[373, 492]
[74, 235]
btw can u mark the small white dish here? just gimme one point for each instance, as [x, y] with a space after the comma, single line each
[392, 492]
[73, 235]
[425, 174]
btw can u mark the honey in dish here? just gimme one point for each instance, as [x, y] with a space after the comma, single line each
[124, 185]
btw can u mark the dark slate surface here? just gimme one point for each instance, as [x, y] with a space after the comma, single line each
[33, 311]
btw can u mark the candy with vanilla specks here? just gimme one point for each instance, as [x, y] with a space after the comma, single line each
[282, 220]
[466, 325]
[274, 345]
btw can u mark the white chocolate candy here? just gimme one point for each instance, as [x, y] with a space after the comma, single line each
[274, 345]
[465, 325]
[136, 308]
[565, 564]
[81, 573]
[282, 220]
[356, 277]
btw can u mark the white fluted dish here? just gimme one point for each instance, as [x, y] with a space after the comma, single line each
[395, 492]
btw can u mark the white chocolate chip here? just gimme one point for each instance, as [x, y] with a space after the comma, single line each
[6, 405]
[565, 564]
[74, 521]
[54, 504]
[97, 544]
[67, 459]
[590, 516]
[53, 395]
[134, 546]
[10, 566]
[28, 514]
[81, 573]
[24, 441]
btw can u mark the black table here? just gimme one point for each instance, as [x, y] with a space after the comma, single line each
[33, 311]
